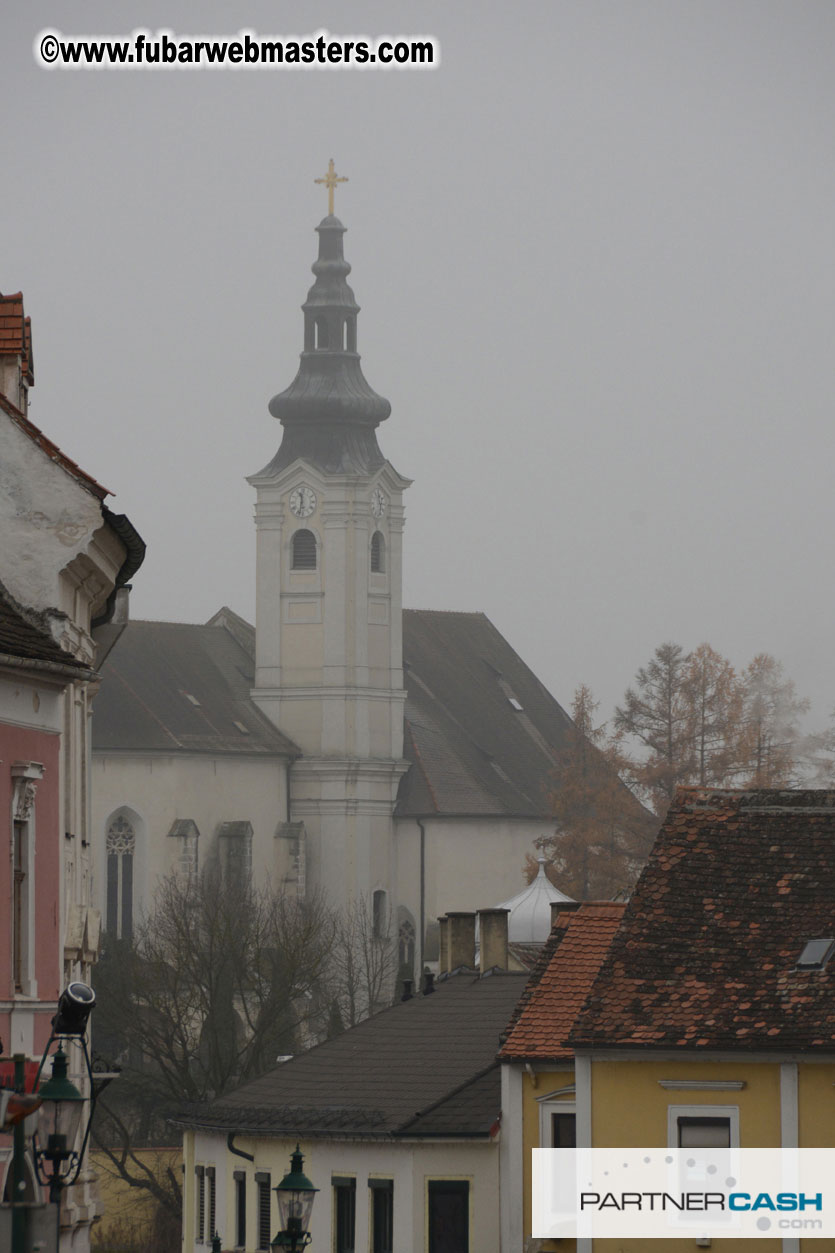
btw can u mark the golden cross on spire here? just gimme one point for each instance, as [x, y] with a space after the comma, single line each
[330, 180]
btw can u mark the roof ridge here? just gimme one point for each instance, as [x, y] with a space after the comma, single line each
[447, 1096]
[452, 613]
[51, 449]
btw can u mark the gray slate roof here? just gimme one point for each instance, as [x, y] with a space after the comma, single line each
[471, 751]
[25, 636]
[426, 1066]
[155, 676]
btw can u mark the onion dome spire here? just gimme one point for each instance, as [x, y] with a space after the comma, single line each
[329, 412]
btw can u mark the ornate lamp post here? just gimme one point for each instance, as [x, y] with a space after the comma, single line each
[58, 1163]
[295, 1196]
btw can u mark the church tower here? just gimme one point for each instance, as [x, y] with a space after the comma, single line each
[329, 667]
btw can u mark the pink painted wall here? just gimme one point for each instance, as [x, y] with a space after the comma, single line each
[21, 744]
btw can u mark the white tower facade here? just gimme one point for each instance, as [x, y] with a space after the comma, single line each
[329, 666]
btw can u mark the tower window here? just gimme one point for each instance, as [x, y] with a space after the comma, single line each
[321, 333]
[304, 550]
[378, 553]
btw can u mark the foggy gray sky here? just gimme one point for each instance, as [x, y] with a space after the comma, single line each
[594, 253]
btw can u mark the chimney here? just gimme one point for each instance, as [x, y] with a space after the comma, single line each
[562, 907]
[492, 932]
[443, 945]
[461, 940]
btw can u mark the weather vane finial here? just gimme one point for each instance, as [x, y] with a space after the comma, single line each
[330, 180]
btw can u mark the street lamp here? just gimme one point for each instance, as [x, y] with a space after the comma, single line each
[57, 1165]
[295, 1196]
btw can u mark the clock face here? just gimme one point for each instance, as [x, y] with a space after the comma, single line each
[378, 503]
[303, 501]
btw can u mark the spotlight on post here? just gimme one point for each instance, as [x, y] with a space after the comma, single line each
[57, 1160]
[75, 1005]
[295, 1196]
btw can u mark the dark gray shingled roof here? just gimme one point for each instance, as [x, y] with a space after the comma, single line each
[25, 636]
[172, 686]
[472, 751]
[426, 1066]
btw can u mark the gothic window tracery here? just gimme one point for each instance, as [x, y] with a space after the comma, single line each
[121, 847]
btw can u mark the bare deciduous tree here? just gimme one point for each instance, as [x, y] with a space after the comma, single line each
[363, 965]
[218, 981]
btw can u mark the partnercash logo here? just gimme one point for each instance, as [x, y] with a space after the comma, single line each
[654, 1193]
[701, 1201]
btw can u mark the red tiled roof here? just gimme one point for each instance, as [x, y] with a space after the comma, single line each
[706, 957]
[577, 947]
[16, 332]
[53, 451]
[16, 339]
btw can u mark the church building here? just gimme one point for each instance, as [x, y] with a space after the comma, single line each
[402, 758]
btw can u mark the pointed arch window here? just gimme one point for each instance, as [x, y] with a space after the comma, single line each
[378, 553]
[379, 914]
[304, 550]
[121, 847]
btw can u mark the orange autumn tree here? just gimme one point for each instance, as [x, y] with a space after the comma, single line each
[697, 721]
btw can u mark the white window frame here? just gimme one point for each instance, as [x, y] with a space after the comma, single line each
[674, 1112]
[560, 1101]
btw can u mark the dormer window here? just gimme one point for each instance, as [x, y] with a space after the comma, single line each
[816, 953]
[304, 550]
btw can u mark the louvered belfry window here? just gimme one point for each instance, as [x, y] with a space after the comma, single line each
[304, 550]
[378, 553]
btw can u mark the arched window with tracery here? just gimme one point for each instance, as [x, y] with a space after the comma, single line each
[121, 849]
[304, 550]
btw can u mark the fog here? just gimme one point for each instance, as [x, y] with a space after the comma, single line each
[594, 254]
